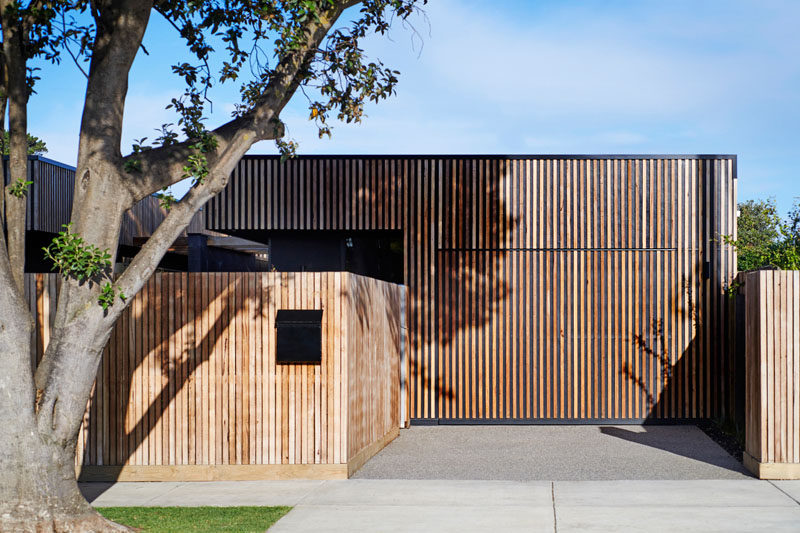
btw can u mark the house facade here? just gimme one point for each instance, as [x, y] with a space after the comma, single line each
[542, 289]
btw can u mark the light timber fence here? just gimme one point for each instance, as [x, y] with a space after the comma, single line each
[772, 300]
[189, 388]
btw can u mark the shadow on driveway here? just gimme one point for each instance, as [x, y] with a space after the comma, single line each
[673, 442]
[525, 453]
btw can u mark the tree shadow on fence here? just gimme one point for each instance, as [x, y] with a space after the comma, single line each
[466, 291]
[156, 354]
[683, 396]
[463, 288]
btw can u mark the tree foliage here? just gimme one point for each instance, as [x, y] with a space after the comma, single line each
[243, 42]
[36, 146]
[74, 258]
[764, 240]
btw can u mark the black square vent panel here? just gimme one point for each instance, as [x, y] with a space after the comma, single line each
[299, 336]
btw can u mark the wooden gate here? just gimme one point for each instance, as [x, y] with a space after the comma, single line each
[561, 335]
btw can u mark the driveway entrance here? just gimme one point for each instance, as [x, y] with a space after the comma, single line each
[553, 453]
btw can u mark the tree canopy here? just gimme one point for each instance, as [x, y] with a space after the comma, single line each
[764, 240]
[36, 146]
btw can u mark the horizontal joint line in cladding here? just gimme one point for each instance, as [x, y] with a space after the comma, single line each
[557, 250]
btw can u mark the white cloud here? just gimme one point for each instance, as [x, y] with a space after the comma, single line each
[389, 129]
[550, 77]
[575, 62]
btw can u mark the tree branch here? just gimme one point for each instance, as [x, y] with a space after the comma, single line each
[68, 49]
[162, 167]
[17, 94]
[67, 373]
[147, 259]
[99, 195]
[120, 29]
[3, 107]
[16, 326]
[16, 322]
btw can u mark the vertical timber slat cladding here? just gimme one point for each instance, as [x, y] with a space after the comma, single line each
[540, 287]
[772, 345]
[145, 216]
[188, 388]
[50, 199]
[50, 204]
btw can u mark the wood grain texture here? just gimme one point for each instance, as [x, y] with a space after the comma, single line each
[189, 378]
[213, 472]
[540, 287]
[772, 300]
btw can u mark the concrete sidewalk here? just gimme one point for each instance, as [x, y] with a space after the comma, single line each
[465, 506]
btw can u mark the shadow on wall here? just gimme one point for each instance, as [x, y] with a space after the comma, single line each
[206, 324]
[361, 296]
[474, 282]
[678, 397]
[168, 371]
[458, 287]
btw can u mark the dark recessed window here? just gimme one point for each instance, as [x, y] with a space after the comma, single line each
[299, 336]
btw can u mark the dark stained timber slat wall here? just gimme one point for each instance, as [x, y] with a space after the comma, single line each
[50, 201]
[540, 287]
[50, 204]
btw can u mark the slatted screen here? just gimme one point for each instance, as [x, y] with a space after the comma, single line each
[49, 198]
[189, 375]
[50, 203]
[540, 287]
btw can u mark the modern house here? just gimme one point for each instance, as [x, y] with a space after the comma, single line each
[538, 289]
[532, 289]
[541, 288]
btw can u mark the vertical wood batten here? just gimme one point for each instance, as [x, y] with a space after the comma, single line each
[580, 282]
[772, 374]
[189, 378]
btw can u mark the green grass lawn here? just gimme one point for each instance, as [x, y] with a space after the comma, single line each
[195, 519]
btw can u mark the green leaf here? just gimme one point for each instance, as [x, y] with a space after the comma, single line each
[75, 259]
[20, 188]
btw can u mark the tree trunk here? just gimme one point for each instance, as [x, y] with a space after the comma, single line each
[38, 488]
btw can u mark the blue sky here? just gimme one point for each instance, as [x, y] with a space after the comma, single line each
[525, 77]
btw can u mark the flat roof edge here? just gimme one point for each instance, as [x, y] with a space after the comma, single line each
[52, 162]
[498, 156]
